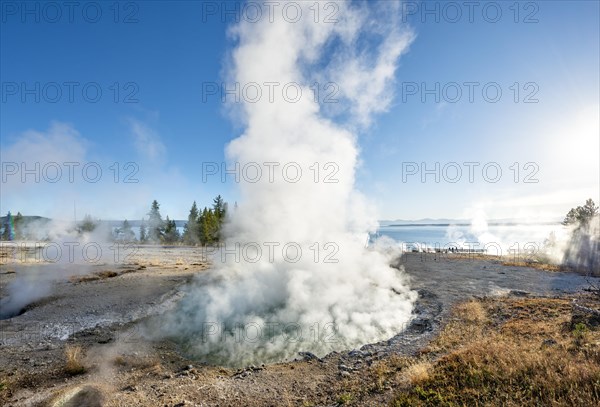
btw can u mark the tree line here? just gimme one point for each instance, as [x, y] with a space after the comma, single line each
[202, 227]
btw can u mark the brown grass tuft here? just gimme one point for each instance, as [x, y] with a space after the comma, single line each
[418, 373]
[107, 274]
[74, 360]
[100, 275]
[471, 312]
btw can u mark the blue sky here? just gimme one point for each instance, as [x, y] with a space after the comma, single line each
[161, 57]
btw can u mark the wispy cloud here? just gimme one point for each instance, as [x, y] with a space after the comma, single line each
[146, 141]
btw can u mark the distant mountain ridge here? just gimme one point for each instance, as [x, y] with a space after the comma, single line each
[26, 218]
[465, 222]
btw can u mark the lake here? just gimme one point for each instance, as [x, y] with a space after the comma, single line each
[507, 236]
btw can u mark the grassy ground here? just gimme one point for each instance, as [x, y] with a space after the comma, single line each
[507, 351]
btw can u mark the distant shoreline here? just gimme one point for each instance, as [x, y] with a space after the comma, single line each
[469, 224]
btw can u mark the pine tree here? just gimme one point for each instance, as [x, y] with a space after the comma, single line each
[156, 225]
[213, 227]
[175, 233]
[191, 233]
[171, 232]
[208, 226]
[583, 251]
[126, 231]
[218, 207]
[582, 215]
[143, 233]
[202, 227]
[8, 231]
[219, 213]
[86, 225]
[18, 226]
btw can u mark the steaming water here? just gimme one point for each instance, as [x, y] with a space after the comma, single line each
[335, 294]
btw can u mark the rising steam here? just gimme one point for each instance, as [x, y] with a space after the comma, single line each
[266, 302]
[56, 252]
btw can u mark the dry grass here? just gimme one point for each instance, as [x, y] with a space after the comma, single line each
[471, 312]
[74, 360]
[84, 279]
[417, 373]
[375, 380]
[466, 325]
[120, 361]
[345, 398]
[533, 264]
[100, 275]
[155, 262]
[469, 256]
[106, 274]
[508, 352]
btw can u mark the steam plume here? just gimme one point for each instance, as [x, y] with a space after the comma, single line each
[308, 304]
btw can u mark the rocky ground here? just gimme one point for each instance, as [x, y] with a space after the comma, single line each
[81, 344]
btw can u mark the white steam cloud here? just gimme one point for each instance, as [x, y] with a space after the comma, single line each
[334, 294]
[57, 252]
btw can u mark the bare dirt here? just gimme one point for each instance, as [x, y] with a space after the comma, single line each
[100, 313]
